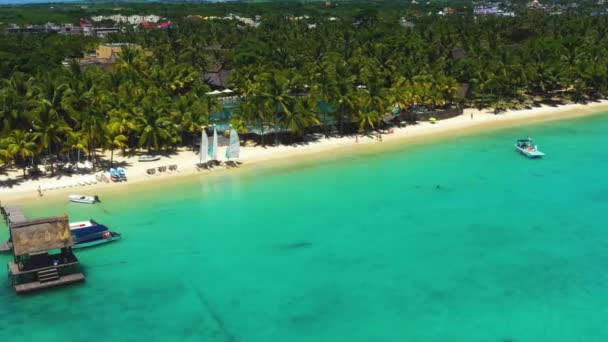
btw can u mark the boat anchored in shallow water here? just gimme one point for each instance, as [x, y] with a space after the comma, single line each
[90, 233]
[84, 199]
[528, 149]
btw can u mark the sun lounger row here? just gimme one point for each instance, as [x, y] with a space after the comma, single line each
[66, 183]
[162, 170]
[213, 163]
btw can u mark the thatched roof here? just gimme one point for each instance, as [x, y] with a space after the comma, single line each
[41, 235]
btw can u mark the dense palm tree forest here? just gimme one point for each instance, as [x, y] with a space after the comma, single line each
[292, 74]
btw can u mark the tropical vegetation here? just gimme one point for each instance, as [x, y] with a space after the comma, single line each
[293, 74]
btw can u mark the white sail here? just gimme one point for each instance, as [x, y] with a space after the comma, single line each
[204, 147]
[213, 147]
[234, 146]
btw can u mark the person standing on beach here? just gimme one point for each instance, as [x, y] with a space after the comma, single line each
[471, 115]
[39, 191]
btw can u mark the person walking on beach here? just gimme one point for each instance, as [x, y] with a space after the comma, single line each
[471, 115]
[39, 191]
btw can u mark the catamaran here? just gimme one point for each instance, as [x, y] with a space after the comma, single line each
[213, 149]
[203, 158]
[234, 146]
[528, 149]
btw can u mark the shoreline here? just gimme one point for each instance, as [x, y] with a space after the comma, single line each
[470, 122]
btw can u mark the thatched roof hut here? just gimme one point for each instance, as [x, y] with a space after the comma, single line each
[41, 235]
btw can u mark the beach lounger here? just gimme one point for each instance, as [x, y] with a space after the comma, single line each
[105, 178]
[201, 166]
[213, 163]
[151, 172]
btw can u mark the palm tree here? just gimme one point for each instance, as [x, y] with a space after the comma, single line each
[75, 141]
[154, 126]
[276, 96]
[5, 156]
[113, 141]
[303, 115]
[401, 93]
[22, 145]
[367, 115]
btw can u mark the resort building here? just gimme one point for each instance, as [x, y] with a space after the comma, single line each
[217, 76]
[105, 55]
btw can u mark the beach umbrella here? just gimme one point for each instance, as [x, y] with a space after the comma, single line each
[227, 91]
[432, 120]
[215, 92]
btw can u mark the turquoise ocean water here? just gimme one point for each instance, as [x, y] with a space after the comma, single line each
[362, 248]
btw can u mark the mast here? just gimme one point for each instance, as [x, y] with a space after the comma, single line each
[213, 149]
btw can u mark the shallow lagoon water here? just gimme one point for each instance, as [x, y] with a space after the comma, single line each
[462, 239]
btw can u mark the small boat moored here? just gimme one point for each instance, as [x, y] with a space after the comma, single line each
[90, 233]
[528, 149]
[148, 158]
[84, 199]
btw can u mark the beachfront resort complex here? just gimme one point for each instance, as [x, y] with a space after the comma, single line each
[436, 167]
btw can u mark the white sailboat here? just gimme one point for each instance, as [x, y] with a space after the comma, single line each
[233, 149]
[213, 149]
[203, 159]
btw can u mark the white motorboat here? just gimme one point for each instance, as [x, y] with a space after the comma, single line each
[528, 149]
[148, 158]
[83, 199]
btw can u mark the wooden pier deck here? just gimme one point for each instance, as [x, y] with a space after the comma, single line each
[6, 247]
[36, 285]
[12, 214]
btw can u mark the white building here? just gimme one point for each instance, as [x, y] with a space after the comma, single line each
[135, 19]
[152, 18]
[117, 18]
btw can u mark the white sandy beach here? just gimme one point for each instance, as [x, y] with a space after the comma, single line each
[472, 120]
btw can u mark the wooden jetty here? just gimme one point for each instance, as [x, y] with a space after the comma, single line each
[6, 247]
[12, 214]
[34, 267]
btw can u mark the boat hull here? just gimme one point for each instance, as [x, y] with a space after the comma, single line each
[83, 199]
[96, 242]
[91, 233]
[529, 154]
[143, 159]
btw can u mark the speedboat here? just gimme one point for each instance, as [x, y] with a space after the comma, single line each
[90, 233]
[528, 149]
[148, 158]
[84, 199]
